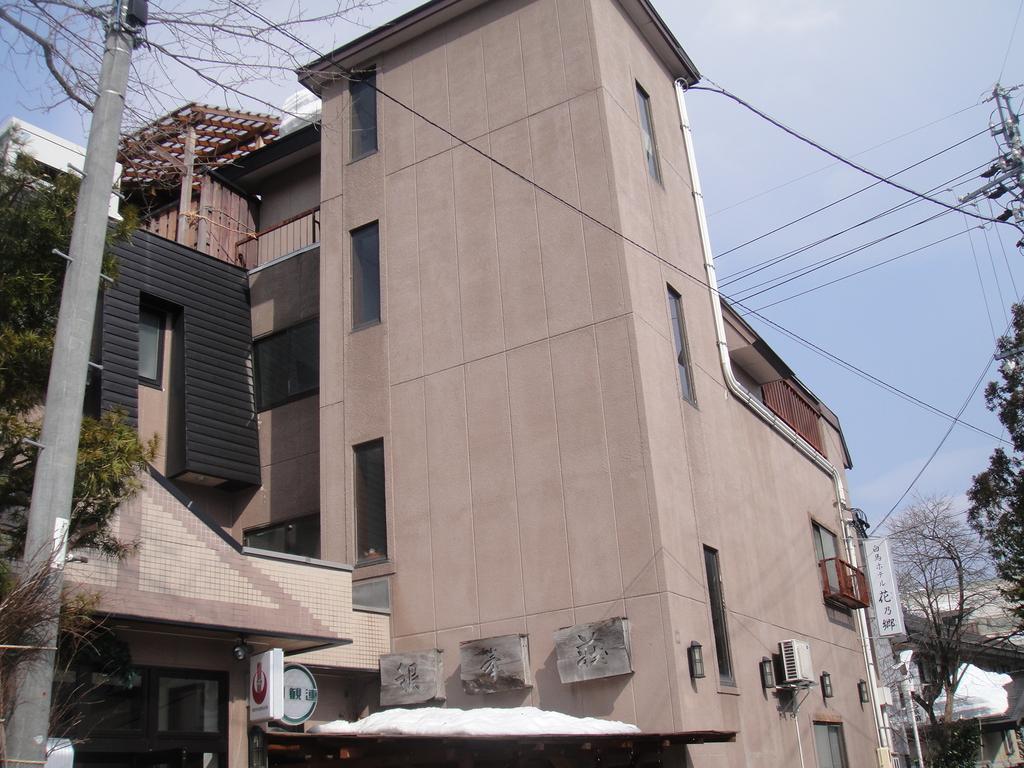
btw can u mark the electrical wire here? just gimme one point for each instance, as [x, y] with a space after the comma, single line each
[778, 282]
[835, 155]
[771, 262]
[847, 197]
[1009, 45]
[860, 372]
[589, 217]
[942, 442]
[981, 283]
[859, 271]
[911, 132]
[1006, 259]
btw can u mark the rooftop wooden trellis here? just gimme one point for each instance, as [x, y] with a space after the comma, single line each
[159, 153]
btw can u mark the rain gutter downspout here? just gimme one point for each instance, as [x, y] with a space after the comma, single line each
[759, 408]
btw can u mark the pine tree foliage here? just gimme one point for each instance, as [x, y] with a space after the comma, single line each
[997, 494]
[36, 213]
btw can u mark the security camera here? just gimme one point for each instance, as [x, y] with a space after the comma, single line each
[241, 651]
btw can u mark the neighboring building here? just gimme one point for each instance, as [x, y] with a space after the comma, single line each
[510, 416]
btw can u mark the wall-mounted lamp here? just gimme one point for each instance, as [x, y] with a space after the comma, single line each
[241, 650]
[862, 691]
[826, 685]
[767, 673]
[695, 654]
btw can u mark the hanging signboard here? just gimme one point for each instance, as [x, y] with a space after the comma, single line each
[413, 677]
[266, 686]
[885, 596]
[300, 694]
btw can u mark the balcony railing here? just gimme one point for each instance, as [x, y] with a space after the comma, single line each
[793, 408]
[279, 240]
[843, 584]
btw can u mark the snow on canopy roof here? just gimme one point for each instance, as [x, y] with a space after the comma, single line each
[437, 721]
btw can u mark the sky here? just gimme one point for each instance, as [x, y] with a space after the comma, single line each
[885, 84]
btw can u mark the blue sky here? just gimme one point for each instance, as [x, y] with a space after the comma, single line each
[886, 84]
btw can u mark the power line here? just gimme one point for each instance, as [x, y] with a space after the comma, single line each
[847, 197]
[942, 442]
[911, 132]
[1009, 45]
[578, 210]
[778, 282]
[795, 134]
[858, 272]
[891, 388]
[767, 263]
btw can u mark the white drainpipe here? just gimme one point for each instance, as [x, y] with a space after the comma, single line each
[762, 410]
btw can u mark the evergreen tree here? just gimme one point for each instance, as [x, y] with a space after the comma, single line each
[997, 494]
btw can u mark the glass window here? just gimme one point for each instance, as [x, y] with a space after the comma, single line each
[716, 596]
[366, 275]
[300, 536]
[643, 103]
[830, 746]
[371, 509]
[363, 93]
[372, 595]
[675, 310]
[825, 550]
[287, 364]
[188, 705]
[151, 348]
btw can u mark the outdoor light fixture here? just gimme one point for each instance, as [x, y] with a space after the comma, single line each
[241, 650]
[767, 673]
[695, 654]
[862, 690]
[826, 685]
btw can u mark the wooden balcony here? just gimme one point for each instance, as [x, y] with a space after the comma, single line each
[842, 584]
[288, 236]
[791, 406]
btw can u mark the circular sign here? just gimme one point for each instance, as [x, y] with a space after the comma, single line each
[300, 694]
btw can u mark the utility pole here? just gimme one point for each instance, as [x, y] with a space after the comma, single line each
[1006, 174]
[28, 727]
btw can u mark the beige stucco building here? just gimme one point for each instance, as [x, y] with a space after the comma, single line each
[491, 372]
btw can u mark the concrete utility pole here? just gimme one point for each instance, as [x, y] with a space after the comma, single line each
[1006, 174]
[28, 726]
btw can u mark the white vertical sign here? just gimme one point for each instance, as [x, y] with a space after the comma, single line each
[266, 686]
[885, 596]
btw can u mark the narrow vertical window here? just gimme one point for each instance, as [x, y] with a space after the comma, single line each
[675, 311]
[287, 364]
[718, 618]
[151, 347]
[830, 745]
[363, 93]
[643, 103]
[366, 275]
[371, 506]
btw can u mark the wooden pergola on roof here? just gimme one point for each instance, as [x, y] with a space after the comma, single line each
[193, 138]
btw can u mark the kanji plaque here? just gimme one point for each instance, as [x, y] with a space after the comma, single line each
[593, 651]
[495, 664]
[411, 678]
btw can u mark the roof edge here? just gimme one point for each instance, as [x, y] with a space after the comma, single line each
[433, 13]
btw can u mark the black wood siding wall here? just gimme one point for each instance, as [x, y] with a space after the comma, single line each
[220, 433]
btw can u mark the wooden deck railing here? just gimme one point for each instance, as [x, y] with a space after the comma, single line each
[279, 240]
[843, 584]
[793, 408]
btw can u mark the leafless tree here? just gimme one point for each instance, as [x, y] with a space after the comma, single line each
[231, 48]
[945, 577]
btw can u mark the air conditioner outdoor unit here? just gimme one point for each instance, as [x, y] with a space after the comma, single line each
[796, 662]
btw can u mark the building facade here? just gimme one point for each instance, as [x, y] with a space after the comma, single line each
[490, 371]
